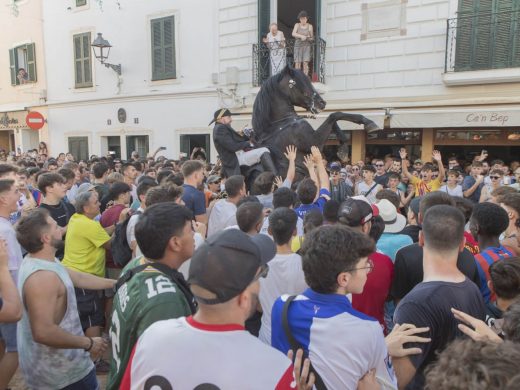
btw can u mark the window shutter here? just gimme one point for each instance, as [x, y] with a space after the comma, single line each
[12, 66]
[80, 3]
[87, 70]
[169, 47]
[31, 62]
[163, 48]
[157, 64]
[82, 61]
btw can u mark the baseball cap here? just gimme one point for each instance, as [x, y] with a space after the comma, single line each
[335, 166]
[85, 187]
[213, 179]
[418, 161]
[356, 211]
[221, 112]
[227, 262]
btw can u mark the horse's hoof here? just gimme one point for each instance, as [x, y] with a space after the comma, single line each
[371, 127]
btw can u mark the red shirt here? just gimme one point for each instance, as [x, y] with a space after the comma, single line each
[372, 300]
[109, 218]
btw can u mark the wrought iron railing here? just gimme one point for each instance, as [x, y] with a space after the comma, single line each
[269, 60]
[483, 41]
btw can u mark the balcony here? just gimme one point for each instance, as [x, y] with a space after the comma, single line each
[482, 42]
[265, 64]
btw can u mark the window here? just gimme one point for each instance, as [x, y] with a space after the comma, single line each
[82, 61]
[487, 35]
[78, 147]
[138, 143]
[22, 63]
[163, 48]
[81, 3]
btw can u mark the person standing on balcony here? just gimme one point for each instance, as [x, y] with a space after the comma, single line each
[304, 35]
[275, 42]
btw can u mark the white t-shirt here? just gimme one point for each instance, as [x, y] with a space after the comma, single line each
[184, 354]
[14, 250]
[457, 191]
[285, 277]
[130, 228]
[363, 188]
[222, 215]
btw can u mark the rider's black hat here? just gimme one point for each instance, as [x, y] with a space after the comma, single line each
[219, 114]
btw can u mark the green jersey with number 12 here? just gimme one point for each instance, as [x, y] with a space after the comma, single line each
[148, 297]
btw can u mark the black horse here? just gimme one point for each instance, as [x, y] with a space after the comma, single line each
[277, 125]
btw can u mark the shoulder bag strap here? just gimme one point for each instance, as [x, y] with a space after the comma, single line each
[370, 190]
[318, 382]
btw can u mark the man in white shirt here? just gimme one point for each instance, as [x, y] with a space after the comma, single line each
[285, 269]
[223, 213]
[224, 276]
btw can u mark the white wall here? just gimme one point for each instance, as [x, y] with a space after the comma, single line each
[163, 107]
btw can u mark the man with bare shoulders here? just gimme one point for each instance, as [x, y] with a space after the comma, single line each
[54, 353]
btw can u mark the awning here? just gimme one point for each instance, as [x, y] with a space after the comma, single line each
[480, 116]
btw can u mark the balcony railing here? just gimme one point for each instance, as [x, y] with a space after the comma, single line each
[483, 41]
[267, 61]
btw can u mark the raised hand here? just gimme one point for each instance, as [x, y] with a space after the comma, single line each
[402, 334]
[278, 181]
[403, 153]
[308, 162]
[316, 155]
[290, 152]
[436, 155]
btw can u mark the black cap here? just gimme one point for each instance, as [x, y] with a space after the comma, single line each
[302, 14]
[221, 112]
[227, 262]
[356, 212]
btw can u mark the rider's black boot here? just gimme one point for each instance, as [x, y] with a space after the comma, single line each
[267, 163]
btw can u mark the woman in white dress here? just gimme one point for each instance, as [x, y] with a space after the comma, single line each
[275, 41]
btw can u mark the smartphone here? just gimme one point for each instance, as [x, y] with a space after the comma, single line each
[182, 155]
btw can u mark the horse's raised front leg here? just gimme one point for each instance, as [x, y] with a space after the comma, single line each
[368, 124]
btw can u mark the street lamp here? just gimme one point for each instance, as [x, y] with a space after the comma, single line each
[101, 48]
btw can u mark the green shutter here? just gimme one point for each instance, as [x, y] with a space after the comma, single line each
[12, 66]
[80, 3]
[264, 18]
[31, 62]
[487, 35]
[163, 48]
[82, 61]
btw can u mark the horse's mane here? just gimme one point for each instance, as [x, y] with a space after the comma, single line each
[265, 98]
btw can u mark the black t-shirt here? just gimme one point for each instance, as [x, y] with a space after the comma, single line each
[412, 231]
[383, 179]
[429, 305]
[61, 212]
[408, 269]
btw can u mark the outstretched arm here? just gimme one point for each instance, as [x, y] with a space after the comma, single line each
[323, 176]
[442, 172]
[309, 164]
[290, 154]
[404, 163]
[89, 282]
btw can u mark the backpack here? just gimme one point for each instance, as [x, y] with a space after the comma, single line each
[120, 247]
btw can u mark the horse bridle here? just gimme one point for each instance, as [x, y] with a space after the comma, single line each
[313, 108]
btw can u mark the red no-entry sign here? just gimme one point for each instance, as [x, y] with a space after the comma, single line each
[35, 120]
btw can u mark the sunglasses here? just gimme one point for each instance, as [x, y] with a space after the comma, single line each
[494, 177]
[334, 173]
[355, 169]
[380, 165]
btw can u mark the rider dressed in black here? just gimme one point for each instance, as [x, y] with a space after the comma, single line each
[236, 149]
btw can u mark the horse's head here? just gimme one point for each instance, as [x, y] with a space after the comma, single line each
[298, 87]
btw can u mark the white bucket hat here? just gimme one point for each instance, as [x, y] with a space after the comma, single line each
[394, 222]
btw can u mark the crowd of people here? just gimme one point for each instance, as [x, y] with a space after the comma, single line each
[164, 273]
